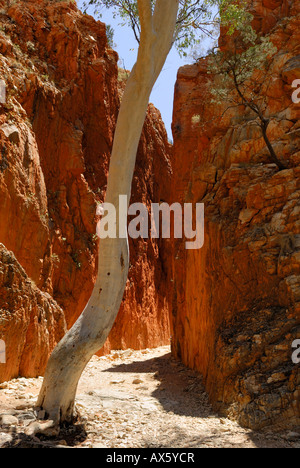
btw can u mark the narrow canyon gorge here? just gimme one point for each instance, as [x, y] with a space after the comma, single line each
[230, 310]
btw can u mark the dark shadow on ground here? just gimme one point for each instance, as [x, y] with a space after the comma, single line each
[181, 390]
[72, 435]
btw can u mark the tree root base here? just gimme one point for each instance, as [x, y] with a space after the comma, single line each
[47, 429]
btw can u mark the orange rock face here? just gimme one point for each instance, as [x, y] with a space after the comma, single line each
[236, 302]
[56, 133]
[31, 321]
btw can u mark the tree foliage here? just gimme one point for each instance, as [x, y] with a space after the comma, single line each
[242, 75]
[235, 67]
[196, 18]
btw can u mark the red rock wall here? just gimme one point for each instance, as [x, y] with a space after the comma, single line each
[31, 322]
[64, 91]
[236, 302]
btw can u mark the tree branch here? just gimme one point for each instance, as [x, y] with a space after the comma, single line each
[164, 19]
[145, 14]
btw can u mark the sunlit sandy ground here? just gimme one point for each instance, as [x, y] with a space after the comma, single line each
[134, 399]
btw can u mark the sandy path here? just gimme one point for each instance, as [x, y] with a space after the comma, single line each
[135, 399]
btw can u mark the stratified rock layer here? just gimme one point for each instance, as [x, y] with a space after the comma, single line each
[236, 302]
[56, 131]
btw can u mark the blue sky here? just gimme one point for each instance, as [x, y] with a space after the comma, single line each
[126, 46]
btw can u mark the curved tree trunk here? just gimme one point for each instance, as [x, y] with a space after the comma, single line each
[89, 333]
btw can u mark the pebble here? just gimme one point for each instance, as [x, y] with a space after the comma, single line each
[8, 420]
[62, 442]
[23, 407]
[293, 435]
[5, 438]
[137, 381]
